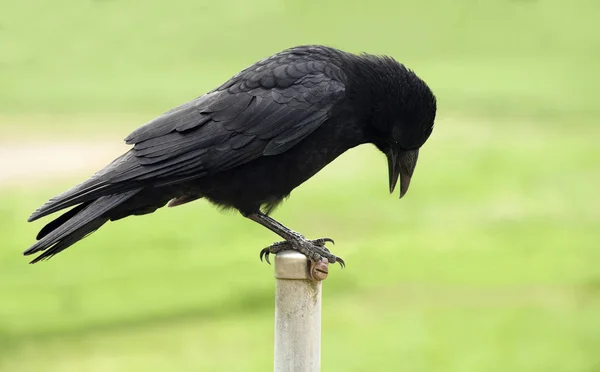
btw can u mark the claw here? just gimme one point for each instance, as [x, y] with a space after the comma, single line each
[335, 259]
[265, 253]
[321, 242]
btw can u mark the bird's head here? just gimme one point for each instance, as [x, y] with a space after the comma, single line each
[402, 115]
[406, 137]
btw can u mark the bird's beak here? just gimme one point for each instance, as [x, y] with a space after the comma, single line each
[401, 164]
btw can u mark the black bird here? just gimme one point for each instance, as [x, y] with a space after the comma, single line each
[248, 143]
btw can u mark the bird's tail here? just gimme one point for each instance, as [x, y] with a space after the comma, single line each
[76, 224]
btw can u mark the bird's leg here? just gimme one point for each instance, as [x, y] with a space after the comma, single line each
[313, 249]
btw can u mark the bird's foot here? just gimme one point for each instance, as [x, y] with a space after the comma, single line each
[315, 250]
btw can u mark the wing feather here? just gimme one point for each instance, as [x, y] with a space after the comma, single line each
[264, 110]
[262, 113]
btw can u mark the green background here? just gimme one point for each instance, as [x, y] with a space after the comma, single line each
[490, 263]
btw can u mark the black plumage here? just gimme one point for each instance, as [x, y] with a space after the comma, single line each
[248, 143]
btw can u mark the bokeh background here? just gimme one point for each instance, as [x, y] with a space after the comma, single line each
[491, 263]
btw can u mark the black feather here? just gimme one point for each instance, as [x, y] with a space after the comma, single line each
[60, 220]
[84, 221]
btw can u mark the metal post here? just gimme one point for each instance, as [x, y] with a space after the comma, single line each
[298, 312]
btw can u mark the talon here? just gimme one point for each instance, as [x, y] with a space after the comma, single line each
[334, 259]
[321, 242]
[265, 254]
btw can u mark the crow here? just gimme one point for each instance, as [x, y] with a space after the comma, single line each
[248, 143]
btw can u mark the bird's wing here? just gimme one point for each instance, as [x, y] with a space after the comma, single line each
[263, 111]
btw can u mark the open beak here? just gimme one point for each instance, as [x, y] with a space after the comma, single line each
[401, 164]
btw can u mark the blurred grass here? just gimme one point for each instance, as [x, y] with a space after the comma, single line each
[489, 264]
[519, 57]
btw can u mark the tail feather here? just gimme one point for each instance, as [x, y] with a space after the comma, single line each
[54, 224]
[67, 199]
[69, 240]
[95, 187]
[75, 225]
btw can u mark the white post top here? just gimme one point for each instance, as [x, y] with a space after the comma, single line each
[295, 265]
[291, 265]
